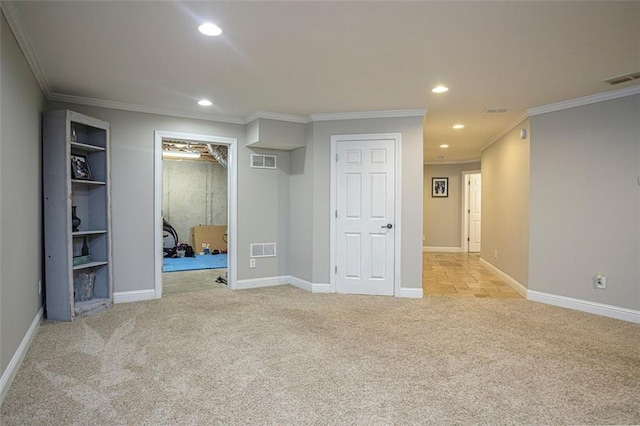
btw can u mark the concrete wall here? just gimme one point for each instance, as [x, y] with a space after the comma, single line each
[505, 204]
[585, 214]
[193, 193]
[21, 241]
[442, 219]
[411, 192]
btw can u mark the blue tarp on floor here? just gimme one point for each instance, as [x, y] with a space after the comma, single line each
[201, 261]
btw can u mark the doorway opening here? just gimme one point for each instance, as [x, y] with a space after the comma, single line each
[471, 212]
[195, 210]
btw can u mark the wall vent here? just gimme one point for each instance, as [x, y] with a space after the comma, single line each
[260, 161]
[623, 78]
[263, 250]
[496, 110]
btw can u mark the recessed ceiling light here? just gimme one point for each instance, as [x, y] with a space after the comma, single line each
[204, 102]
[210, 29]
[444, 145]
[440, 89]
[458, 126]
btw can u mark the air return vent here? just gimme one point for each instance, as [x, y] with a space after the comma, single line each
[263, 250]
[259, 161]
[496, 110]
[623, 78]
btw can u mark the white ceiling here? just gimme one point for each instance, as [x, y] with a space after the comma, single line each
[305, 58]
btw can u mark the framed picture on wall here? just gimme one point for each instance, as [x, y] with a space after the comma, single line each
[80, 167]
[439, 187]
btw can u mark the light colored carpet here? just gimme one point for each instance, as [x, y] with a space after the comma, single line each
[281, 355]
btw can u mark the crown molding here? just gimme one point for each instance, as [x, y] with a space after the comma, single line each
[232, 119]
[512, 124]
[398, 113]
[585, 100]
[278, 116]
[445, 163]
[12, 16]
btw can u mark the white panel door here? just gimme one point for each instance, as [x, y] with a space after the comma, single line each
[365, 217]
[475, 212]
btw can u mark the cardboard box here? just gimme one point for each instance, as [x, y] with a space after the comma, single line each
[208, 234]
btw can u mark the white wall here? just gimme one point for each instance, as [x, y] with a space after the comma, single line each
[21, 201]
[505, 204]
[411, 193]
[442, 221]
[585, 214]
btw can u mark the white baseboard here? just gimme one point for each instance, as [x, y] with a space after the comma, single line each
[261, 282]
[16, 360]
[442, 249]
[133, 296]
[308, 286]
[413, 293]
[522, 290]
[610, 311]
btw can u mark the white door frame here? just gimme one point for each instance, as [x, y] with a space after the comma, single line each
[333, 227]
[464, 245]
[232, 200]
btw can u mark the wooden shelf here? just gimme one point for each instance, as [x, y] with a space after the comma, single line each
[89, 265]
[88, 182]
[91, 306]
[83, 233]
[85, 147]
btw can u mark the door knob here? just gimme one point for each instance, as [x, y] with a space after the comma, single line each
[388, 226]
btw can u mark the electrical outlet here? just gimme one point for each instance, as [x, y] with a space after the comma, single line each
[495, 253]
[39, 286]
[600, 281]
[252, 263]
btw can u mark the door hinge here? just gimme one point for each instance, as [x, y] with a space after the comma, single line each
[336, 270]
[336, 158]
[468, 239]
[336, 214]
[469, 182]
[469, 211]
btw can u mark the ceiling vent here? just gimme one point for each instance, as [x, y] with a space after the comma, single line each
[496, 110]
[259, 161]
[623, 78]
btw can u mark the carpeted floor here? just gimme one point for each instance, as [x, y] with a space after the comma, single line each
[280, 355]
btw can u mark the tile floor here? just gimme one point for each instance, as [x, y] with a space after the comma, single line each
[461, 275]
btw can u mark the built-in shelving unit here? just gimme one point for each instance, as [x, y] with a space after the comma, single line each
[76, 177]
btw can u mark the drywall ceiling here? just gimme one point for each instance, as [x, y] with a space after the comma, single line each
[305, 58]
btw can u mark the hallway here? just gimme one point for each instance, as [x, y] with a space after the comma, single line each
[461, 275]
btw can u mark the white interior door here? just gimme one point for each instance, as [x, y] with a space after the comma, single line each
[475, 212]
[365, 217]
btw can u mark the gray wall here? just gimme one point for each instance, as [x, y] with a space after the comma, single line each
[193, 193]
[585, 215]
[505, 204]
[262, 202]
[317, 162]
[442, 221]
[21, 202]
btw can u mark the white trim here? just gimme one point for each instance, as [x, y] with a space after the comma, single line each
[15, 23]
[262, 282]
[300, 283]
[232, 200]
[134, 295]
[398, 113]
[585, 100]
[610, 311]
[512, 125]
[412, 293]
[431, 249]
[437, 163]
[321, 288]
[145, 109]
[278, 116]
[522, 290]
[397, 138]
[16, 360]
